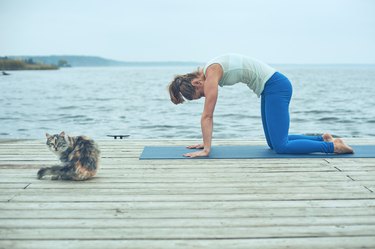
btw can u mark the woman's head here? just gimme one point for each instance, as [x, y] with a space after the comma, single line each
[182, 88]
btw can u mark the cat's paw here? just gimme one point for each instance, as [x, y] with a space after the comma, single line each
[41, 173]
[54, 178]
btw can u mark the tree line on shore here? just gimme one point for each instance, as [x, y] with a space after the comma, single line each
[29, 64]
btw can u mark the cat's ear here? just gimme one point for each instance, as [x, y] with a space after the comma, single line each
[48, 135]
[62, 134]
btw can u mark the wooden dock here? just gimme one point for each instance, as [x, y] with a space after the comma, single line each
[267, 203]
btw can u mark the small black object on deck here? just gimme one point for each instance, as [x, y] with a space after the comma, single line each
[5, 73]
[118, 136]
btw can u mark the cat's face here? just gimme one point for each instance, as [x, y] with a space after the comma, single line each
[57, 143]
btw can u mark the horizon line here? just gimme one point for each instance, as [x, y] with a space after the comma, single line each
[189, 61]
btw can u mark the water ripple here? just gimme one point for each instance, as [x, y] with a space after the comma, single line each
[136, 100]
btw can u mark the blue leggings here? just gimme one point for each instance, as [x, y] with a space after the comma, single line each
[275, 117]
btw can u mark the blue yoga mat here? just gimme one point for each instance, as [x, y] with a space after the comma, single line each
[246, 152]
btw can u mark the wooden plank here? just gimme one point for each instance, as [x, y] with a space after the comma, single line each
[132, 141]
[127, 165]
[362, 177]
[120, 163]
[351, 242]
[212, 177]
[6, 197]
[35, 223]
[194, 190]
[188, 213]
[345, 183]
[12, 186]
[106, 172]
[188, 233]
[191, 204]
[189, 197]
[170, 179]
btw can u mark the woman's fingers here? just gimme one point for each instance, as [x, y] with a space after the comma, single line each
[196, 154]
[189, 155]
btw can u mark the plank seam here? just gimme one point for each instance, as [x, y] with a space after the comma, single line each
[368, 189]
[190, 238]
[27, 186]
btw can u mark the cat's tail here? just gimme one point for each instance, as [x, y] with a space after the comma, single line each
[56, 172]
[87, 154]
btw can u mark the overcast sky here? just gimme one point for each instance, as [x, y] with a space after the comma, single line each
[275, 31]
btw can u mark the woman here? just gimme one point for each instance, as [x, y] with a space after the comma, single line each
[275, 91]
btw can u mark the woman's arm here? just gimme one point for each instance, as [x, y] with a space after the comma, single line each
[211, 92]
[211, 84]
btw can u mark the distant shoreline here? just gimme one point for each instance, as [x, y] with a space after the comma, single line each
[60, 61]
[95, 61]
[7, 64]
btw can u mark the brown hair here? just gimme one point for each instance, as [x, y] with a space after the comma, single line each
[181, 88]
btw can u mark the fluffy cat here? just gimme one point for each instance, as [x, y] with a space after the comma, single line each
[79, 158]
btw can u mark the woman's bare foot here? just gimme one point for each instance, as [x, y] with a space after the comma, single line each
[341, 148]
[328, 137]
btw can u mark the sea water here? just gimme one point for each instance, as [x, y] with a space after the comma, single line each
[134, 101]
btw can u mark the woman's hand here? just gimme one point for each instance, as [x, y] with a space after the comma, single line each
[196, 146]
[199, 153]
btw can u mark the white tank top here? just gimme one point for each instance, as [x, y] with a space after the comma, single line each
[239, 68]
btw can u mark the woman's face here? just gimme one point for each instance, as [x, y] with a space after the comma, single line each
[198, 94]
[199, 89]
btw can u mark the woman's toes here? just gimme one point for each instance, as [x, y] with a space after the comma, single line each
[341, 148]
[327, 137]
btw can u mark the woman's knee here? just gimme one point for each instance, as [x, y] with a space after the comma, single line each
[280, 148]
